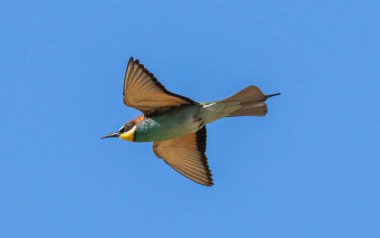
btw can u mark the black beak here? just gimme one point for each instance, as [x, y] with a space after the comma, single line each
[113, 134]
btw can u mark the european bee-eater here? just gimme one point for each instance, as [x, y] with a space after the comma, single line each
[176, 124]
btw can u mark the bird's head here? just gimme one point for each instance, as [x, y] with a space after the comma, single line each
[126, 132]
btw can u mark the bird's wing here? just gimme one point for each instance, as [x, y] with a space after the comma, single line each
[187, 156]
[145, 93]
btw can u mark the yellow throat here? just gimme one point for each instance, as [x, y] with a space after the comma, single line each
[129, 135]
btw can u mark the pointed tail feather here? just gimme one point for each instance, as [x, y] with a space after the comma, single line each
[272, 95]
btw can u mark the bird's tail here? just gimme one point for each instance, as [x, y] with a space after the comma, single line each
[248, 102]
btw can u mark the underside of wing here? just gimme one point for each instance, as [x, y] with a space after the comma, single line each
[187, 156]
[145, 93]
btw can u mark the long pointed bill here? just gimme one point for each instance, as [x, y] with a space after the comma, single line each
[113, 134]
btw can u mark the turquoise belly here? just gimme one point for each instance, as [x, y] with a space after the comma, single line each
[171, 124]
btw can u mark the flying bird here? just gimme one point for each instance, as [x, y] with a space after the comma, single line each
[176, 124]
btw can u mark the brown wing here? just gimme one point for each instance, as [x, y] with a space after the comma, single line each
[187, 156]
[145, 93]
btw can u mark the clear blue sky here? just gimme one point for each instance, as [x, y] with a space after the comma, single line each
[310, 168]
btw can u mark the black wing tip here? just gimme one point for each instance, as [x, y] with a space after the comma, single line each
[201, 138]
[131, 61]
[210, 184]
[272, 95]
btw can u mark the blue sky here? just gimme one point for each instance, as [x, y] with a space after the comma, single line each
[310, 168]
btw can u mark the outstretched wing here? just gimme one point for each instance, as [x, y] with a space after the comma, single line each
[145, 93]
[187, 156]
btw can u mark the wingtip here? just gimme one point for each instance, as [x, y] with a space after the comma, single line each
[208, 184]
[210, 181]
[131, 60]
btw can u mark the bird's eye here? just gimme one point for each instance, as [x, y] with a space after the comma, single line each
[127, 127]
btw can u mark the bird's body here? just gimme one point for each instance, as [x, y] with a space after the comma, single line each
[177, 124]
[169, 124]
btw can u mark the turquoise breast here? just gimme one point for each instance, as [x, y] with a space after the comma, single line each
[170, 124]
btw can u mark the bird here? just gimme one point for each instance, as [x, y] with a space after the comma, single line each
[177, 124]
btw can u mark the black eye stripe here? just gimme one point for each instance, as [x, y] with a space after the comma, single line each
[128, 126]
